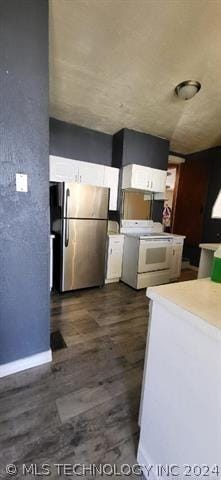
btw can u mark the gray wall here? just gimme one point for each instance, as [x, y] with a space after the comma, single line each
[24, 217]
[130, 146]
[79, 143]
[127, 146]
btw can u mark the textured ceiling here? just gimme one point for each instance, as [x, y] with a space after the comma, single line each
[115, 63]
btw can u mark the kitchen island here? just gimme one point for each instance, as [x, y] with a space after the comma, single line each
[180, 413]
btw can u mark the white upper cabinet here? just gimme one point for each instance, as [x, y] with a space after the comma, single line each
[158, 180]
[143, 178]
[111, 179]
[68, 170]
[90, 173]
[136, 176]
[62, 169]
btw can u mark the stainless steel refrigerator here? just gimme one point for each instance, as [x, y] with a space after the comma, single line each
[82, 230]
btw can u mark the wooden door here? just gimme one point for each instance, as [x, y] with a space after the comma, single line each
[191, 199]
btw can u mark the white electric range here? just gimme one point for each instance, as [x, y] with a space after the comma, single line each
[147, 254]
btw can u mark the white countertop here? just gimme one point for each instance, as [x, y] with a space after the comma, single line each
[199, 297]
[175, 235]
[210, 246]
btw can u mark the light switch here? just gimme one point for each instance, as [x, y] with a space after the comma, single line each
[21, 182]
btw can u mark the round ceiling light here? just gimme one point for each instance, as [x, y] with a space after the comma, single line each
[187, 89]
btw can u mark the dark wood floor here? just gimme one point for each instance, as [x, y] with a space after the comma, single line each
[82, 408]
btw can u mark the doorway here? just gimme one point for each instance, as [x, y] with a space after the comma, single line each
[189, 204]
[172, 183]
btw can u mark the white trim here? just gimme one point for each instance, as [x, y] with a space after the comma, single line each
[148, 467]
[25, 363]
[112, 280]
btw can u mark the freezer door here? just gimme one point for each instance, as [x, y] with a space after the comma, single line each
[83, 262]
[85, 201]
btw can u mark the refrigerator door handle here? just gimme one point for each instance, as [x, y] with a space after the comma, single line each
[66, 241]
[66, 202]
[66, 238]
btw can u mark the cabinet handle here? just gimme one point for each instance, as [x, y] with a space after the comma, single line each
[151, 183]
[80, 178]
[111, 251]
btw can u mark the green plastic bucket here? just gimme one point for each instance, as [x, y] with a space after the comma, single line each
[216, 269]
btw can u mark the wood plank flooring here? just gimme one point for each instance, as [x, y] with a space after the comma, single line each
[82, 408]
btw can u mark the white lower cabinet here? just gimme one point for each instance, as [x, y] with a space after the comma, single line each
[114, 258]
[176, 262]
[68, 170]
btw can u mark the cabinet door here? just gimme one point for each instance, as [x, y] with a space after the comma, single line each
[144, 178]
[91, 174]
[111, 178]
[127, 177]
[176, 261]
[141, 177]
[62, 169]
[158, 180]
[115, 253]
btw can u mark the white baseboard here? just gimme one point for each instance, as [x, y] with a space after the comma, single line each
[25, 363]
[147, 465]
[111, 280]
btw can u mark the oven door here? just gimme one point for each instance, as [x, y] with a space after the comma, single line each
[155, 254]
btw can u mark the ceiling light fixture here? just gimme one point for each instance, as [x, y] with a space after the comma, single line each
[187, 89]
